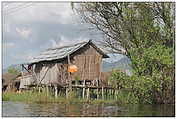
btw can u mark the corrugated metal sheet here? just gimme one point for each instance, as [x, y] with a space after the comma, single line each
[57, 53]
[61, 52]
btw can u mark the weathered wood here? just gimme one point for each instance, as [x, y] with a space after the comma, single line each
[83, 92]
[39, 89]
[66, 93]
[89, 65]
[90, 86]
[44, 75]
[25, 68]
[88, 93]
[47, 90]
[56, 91]
[102, 91]
[115, 94]
[70, 81]
[97, 90]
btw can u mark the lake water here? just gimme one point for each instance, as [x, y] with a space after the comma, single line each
[20, 109]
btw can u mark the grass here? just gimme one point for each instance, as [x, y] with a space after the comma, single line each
[30, 96]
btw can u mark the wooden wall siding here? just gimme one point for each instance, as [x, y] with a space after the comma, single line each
[88, 62]
[55, 73]
[26, 80]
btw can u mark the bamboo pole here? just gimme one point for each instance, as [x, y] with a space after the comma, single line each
[116, 94]
[97, 90]
[102, 90]
[89, 66]
[39, 89]
[47, 88]
[83, 92]
[56, 92]
[22, 72]
[98, 78]
[88, 91]
[66, 92]
[70, 83]
[89, 77]
[106, 93]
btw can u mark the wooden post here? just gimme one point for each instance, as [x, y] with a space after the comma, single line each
[66, 92]
[88, 95]
[39, 89]
[83, 92]
[102, 90]
[89, 66]
[70, 82]
[97, 90]
[116, 94]
[47, 90]
[106, 93]
[56, 92]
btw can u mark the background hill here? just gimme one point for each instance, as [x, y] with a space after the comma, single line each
[121, 64]
[116, 61]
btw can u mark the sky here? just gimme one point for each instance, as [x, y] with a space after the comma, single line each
[31, 27]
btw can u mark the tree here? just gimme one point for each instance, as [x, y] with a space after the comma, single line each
[145, 31]
[12, 70]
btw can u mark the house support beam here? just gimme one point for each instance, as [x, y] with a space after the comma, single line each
[102, 91]
[83, 91]
[88, 93]
[56, 91]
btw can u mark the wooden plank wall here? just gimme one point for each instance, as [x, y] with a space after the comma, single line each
[88, 63]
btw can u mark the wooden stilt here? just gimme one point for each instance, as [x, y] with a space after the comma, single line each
[83, 92]
[39, 89]
[97, 90]
[110, 93]
[47, 90]
[102, 91]
[116, 94]
[88, 93]
[67, 93]
[56, 92]
[69, 75]
[106, 93]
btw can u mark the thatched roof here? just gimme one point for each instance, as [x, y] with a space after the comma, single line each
[62, 52]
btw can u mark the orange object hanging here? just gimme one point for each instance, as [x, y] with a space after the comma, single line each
[72, 68]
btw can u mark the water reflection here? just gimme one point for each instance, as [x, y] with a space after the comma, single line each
[82, 110]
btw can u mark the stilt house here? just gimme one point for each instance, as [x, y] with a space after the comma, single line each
[50, 67]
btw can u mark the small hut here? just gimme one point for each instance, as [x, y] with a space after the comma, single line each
[25, 80]
[10, 82]
[50, 67]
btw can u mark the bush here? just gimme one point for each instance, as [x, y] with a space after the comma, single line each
[137, 89]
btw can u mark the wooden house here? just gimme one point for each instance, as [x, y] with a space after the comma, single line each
[10, 82]
[50, 67]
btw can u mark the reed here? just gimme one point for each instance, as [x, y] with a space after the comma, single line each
[30, 96]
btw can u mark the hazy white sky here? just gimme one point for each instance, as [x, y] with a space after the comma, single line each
[30, 27]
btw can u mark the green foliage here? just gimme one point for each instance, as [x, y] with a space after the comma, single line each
[146, 32]
[137, 89]
[33, 96]
[13, 71]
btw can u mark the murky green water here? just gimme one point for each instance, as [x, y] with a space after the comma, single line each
[16, 109]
